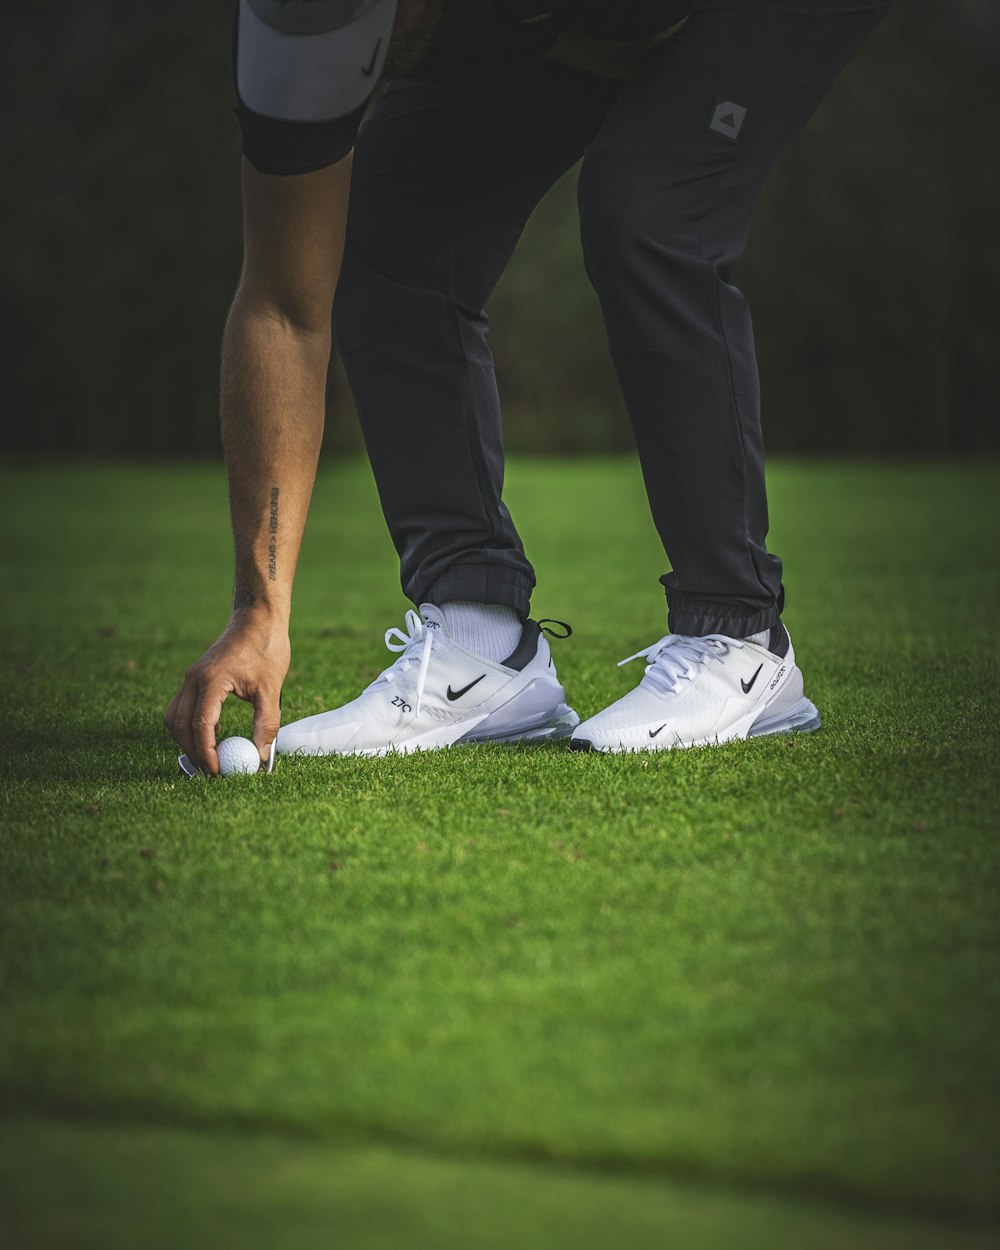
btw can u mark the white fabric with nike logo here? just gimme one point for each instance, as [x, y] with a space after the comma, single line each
[437, 695]
[698, 691]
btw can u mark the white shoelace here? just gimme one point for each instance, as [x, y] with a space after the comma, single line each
[416, 638]
[677, 657]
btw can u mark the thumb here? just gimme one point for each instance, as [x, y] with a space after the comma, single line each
[266, 720]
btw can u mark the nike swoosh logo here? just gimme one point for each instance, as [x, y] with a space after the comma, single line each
[369, 69]
[748, 685]
[457, 694]
[654, 732]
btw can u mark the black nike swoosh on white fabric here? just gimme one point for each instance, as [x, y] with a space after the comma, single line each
[457, 694]
[748, 685]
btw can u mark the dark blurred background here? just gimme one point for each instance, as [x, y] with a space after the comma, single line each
[873, 270]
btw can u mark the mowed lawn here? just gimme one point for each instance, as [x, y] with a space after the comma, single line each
[500, 996]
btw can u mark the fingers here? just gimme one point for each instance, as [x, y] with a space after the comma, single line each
[266, 720]
[178, 716]
[193, 718]
[204, 723]
[248, 660]
[168, 715]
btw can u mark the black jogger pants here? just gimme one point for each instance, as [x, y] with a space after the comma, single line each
[445, 177]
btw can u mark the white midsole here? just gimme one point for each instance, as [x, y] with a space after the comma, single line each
[563, 719]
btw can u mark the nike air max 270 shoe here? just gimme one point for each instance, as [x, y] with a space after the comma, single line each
[702, 691]
[438, 695]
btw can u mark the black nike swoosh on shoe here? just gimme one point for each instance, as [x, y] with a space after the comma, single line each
[369, 69]
[654, 732]
[748, 685]
[457, 694]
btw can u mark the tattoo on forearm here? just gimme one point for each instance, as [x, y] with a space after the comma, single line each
[272, 546]
[243, 598]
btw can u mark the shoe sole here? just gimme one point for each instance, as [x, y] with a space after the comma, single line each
[802, 718]
[559, 726]
[555, 725]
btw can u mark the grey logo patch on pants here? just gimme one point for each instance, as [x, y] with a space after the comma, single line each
[727, 119]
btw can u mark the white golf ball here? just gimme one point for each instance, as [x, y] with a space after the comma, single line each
[237, 755]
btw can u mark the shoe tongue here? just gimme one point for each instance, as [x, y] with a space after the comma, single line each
[433, 618]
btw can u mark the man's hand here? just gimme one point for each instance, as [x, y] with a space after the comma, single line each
[250, 660]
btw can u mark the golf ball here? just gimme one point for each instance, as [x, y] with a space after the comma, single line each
[237, 755]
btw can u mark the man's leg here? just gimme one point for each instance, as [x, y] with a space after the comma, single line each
[444, 180]
[666, 195]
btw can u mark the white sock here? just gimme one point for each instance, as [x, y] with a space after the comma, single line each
[766, 636]
[491, 630]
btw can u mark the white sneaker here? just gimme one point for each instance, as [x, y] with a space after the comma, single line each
[701, 691]
[436, 695]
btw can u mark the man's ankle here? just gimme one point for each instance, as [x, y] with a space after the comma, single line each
[491, 630]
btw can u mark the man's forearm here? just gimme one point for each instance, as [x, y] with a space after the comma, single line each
[273, 405]
[275, 355]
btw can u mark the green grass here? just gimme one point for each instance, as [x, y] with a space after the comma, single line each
[747, 995]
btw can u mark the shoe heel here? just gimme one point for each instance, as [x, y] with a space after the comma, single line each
[559, 725]
[802, 718]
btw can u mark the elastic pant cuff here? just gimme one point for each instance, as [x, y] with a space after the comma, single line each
[698, 617]
[481, 583]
